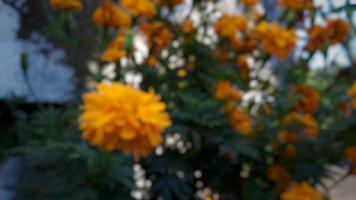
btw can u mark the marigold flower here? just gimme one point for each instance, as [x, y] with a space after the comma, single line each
[318, 37]
[309, 99]
[109, 15]
[228, 25]
[113, 55]
[334, 32]
[187, 26]
[276, 40]
[241, 121]
[181, 73]
[157, 35]
[229, 106]
[351, 93]
[287, 136]
[297, 4]
[241, 62]
[71, 5]
[169, 2]
[140, 8]
[337, 30]
[152, 61]
[350, 154]
[279, 175]
[116, 49]
[249, 2]
[225, 90]
[290, 151]
[247, 45]
[301, 191]
[117, 116]
[308, 123]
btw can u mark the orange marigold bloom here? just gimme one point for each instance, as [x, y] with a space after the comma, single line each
[225, 90]
[297, 4]
[287, 136]
[350, 154]
[276, 40]
[247, 45]
[337, 30]
[181, 73]
[157, 35]
[279, 175]
[169, 2]
[308, 123]
[140, 8]
[301, 191]
[249, 2]
[241, 121]
[115, 50]
[229, 106]
[117, 116]
[113, 55]
[108, 14]
[351, 93]
[228, 25]
[187, 26]
[152, 61]
[290, 151]
[309, 99]
[318, 37]
[241, 62]
[334, 32]
[74, 5]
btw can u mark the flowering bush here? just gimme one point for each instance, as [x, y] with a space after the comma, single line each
[200, 103]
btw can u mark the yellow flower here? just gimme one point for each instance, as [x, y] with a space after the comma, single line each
[297, 4]
[116, 49]
[225, 90]
[338, 30]
[309, 99]
[241, 122]
[301, 191]
[249, 2]
[276, 40]
[228, 25]
[110, 15]
[140, 8]
[74, 5]
[350, 154]
[279, 175]
[117, 116]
